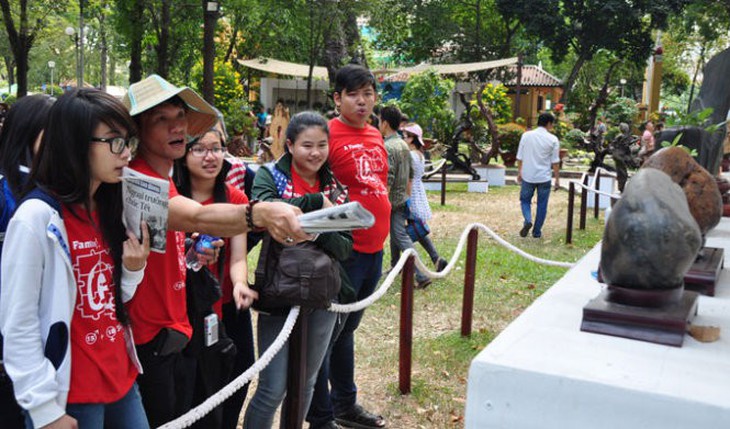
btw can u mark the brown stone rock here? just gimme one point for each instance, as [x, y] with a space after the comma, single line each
[651, 238]
[703, 196]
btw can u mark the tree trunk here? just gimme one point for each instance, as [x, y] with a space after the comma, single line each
[103, 52]
[163, 42]
[135, 62]
[210, 18]
[20, 42]
[568, 85]
[700, 62]
[10, 66]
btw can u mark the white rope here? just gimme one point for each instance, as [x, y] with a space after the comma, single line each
[597, 191]
[357, 306]
[217, 398]
[434, 168]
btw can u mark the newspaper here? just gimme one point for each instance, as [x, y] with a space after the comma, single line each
[344, 217]
[146, 198]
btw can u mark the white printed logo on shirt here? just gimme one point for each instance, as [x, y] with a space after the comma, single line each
[96, 285]
[368, 164]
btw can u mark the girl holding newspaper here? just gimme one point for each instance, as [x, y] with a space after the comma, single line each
[303, 178]
[68, 267]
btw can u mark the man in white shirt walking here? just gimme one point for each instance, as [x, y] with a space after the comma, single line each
[538, 152]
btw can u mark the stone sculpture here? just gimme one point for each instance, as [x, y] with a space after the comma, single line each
[699, 186]
[651, 238]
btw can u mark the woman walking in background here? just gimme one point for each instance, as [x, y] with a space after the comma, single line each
[413, 135]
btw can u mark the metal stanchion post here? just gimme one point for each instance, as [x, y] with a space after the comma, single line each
[293, 407]
[467, 308]
[597, 196]
[406, 328]
[583, 205]
[571, 202]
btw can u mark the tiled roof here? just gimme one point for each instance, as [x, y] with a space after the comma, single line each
[533, 76]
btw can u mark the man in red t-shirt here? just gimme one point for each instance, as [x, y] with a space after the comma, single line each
[359, 161]
[167, 117]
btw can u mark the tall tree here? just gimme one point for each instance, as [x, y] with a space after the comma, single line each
[23, 22]
[587, 26]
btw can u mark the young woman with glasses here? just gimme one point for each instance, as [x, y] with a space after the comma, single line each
[68, 267]
[201, 176]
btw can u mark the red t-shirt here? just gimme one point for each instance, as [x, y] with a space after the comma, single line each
[101, 369]
[359, 161]
[160, 299]
[301, 187]
[234, 197]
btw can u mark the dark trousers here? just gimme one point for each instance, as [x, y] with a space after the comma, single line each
[11, 415]
[166, 382]
[338, 367]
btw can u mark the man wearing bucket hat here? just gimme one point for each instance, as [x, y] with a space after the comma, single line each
[167, 118]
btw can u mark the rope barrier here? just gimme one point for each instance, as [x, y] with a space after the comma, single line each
[219, 397]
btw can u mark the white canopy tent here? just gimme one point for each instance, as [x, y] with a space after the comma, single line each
[270, 65]
[451, 68]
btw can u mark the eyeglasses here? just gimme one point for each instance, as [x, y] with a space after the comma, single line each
[117, 144]
[201, 151]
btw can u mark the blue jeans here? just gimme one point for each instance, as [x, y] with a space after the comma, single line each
[543, 194]
[126, 413]
[400, 240]
[272, 380]
[338, 368]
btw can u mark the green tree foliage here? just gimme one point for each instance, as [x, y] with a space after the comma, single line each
[584, 27]
[425, 100]
[229, 94]
[444, 31]
[495, 98]
[622, 110]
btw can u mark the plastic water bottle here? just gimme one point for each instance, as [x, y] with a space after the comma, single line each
[204, 241]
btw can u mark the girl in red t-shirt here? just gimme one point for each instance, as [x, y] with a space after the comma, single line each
[68, 266]
[200, 175]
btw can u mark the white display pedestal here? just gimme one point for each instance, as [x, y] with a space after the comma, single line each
[481, 186]
[493, 173]
[607, 184]
[543, 372]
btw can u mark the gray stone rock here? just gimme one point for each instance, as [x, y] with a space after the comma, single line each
[651, 238]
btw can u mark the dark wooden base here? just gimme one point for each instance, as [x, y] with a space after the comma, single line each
[662, 325]
[705, 272]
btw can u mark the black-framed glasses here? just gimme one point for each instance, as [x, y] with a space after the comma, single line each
[201, 151]
[117, 144]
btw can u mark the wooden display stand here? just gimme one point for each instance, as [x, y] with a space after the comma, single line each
[705, 272]
[657, 316]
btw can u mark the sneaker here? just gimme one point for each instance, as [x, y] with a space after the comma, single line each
[525, 229]
[359, 418]
[423, 284]
[328, 425]
[441, 263]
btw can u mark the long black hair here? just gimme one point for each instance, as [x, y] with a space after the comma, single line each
[62, 168]
[21, 128]
[182, 178]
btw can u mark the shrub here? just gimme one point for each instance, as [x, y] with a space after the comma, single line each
[229, 93]
[425, 100]
[509, 136]
[495, 98]
[575, 138]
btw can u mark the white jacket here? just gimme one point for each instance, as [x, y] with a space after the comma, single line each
[37, 298]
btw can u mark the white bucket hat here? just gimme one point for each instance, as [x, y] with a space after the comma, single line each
[154, 90]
